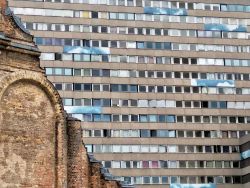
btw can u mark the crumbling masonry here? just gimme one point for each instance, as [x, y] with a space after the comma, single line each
[39, 145]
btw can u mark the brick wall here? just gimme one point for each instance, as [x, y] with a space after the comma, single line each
[39, 146]
[82, 172]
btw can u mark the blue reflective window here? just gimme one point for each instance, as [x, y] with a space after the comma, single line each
[170, 119]
[162, 133]
[48, 41]
[223, 104]
[48, 71]
[140, 45]
[58, 42]
[173, 179]
[235, 8]
[124, 87]
[106, 102]
[172, 134]
[96, 102]
[149, 45]
[143, 118]
[164, 179]
[162, 118]
[68, 72]
[223, 7]
[131, 16]
[133, 88]
[231, 7]
[58, 71]
[238, 8]
[112, 15]
[114, 87]
[152, 118]
[158, 45]
[87, 117]
[106, 117]
[39, 41]
[145, 133]
[213, 104]
[247, 8]
[167, 45]
[96, 117]
[146, 180]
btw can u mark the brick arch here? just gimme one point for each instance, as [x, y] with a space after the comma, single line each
[38, 79]
[60, 147]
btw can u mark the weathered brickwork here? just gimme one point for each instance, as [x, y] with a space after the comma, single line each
[10, 27]
[39, 145]
[2, 73]
[78, 164]
[31, 148]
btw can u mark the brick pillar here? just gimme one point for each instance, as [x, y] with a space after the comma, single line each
[62, 158]
[78, 164]
[96, 175]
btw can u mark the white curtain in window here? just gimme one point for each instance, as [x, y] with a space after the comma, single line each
[142, 103]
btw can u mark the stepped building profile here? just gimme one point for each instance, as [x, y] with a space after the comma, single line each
[161, 86]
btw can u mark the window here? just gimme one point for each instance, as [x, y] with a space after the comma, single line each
[104, 29]
[208, 149]
[183, 179]
[146, 180]
[182, 164]
[174, 179]
[94, 14]
[172, 149]
[104, 43]
[140, 45]
[172, 164]
[200, 164]
[218, 164]
[164, 180]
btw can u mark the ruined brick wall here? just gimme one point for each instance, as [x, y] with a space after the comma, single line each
[81, 172]
[78, 164]
[18, 60]
[32, 132]
[27, 137]
[38, 146]
[12, 61]
[98, 180]
[10, 27]
[36, 149]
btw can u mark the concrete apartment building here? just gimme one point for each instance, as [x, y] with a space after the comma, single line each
[161, 87]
